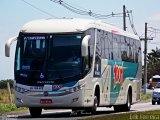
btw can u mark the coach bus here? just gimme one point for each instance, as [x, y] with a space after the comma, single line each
[77, 64]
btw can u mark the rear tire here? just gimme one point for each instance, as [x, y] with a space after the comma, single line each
[125, 107]
[35, 112]
[118, 108]
[153, 102]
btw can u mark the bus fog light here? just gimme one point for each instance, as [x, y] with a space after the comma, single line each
[74, 89]
[75, 99]
[19, 100]
[18, 89]
[71, 90]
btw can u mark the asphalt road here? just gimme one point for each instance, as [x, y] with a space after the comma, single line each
[67, 115]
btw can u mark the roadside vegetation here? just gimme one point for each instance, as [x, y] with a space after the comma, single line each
[145, 97]
[149, 115]
[9, 108]
[5, 105]
[4, 97]
[153, 63]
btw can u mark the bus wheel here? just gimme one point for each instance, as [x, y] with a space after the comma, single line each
[94, 108]
[153, 102]
[76, 112]
[35, 112]
[127, 106]
[117, 108]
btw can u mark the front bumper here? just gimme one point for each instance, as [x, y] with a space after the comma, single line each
[156, 99]
[67, 101]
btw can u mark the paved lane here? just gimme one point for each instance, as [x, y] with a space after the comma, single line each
[66, 114]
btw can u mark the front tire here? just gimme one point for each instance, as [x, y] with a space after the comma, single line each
[95, 105]
[35, 112]
[153, 102]
[158, 102]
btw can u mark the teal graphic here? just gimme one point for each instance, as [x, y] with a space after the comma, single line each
[119, 72]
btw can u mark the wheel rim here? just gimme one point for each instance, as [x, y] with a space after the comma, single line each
[95, 105]
[129, 102]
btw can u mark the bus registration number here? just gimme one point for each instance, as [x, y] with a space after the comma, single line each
[46, 101]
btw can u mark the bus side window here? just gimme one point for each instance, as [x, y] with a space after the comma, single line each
[138, 45]
[110, 45]
[18, 58]
[116, 47]
[124, 56]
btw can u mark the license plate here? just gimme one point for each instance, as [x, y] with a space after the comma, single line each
[46, 101]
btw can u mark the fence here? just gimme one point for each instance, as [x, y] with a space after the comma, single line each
[6, 92]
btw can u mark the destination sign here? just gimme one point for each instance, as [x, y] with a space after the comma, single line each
[34, 38]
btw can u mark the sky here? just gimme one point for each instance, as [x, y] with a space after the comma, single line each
[15, 13]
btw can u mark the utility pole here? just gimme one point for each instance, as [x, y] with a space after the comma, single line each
[9, 93]
[124, 17]
[145, 58]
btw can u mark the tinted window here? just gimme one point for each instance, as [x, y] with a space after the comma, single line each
[64, 58]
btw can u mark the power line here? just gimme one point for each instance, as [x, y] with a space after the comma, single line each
[156, 30]
[132, 23]
[156, 43]
[82, 11]
[153, 31]
[33, 6]
[85, 12]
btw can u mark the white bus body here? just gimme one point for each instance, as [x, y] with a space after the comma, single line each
[107, 72]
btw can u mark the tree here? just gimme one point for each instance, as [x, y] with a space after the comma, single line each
[3, 83]
[154, 56]
[153, 63]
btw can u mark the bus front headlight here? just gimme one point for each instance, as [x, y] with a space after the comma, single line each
[75, 89]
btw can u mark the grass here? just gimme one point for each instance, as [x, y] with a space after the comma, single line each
[145, 96]
[4, 96]
[5, 105]
[149, 115]
[9, 108]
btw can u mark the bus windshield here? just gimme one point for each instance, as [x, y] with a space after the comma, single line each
[53, 58]
[64, 56]
[32, 52]
[155, 79]
[158, 85]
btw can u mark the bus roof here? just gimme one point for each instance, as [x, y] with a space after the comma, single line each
[71, 25]
[156, 76]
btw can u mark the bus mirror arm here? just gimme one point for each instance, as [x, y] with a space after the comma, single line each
[8, 45]
[84, 48]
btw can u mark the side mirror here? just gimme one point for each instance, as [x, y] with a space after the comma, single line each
[84, 48]
[8, 45]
